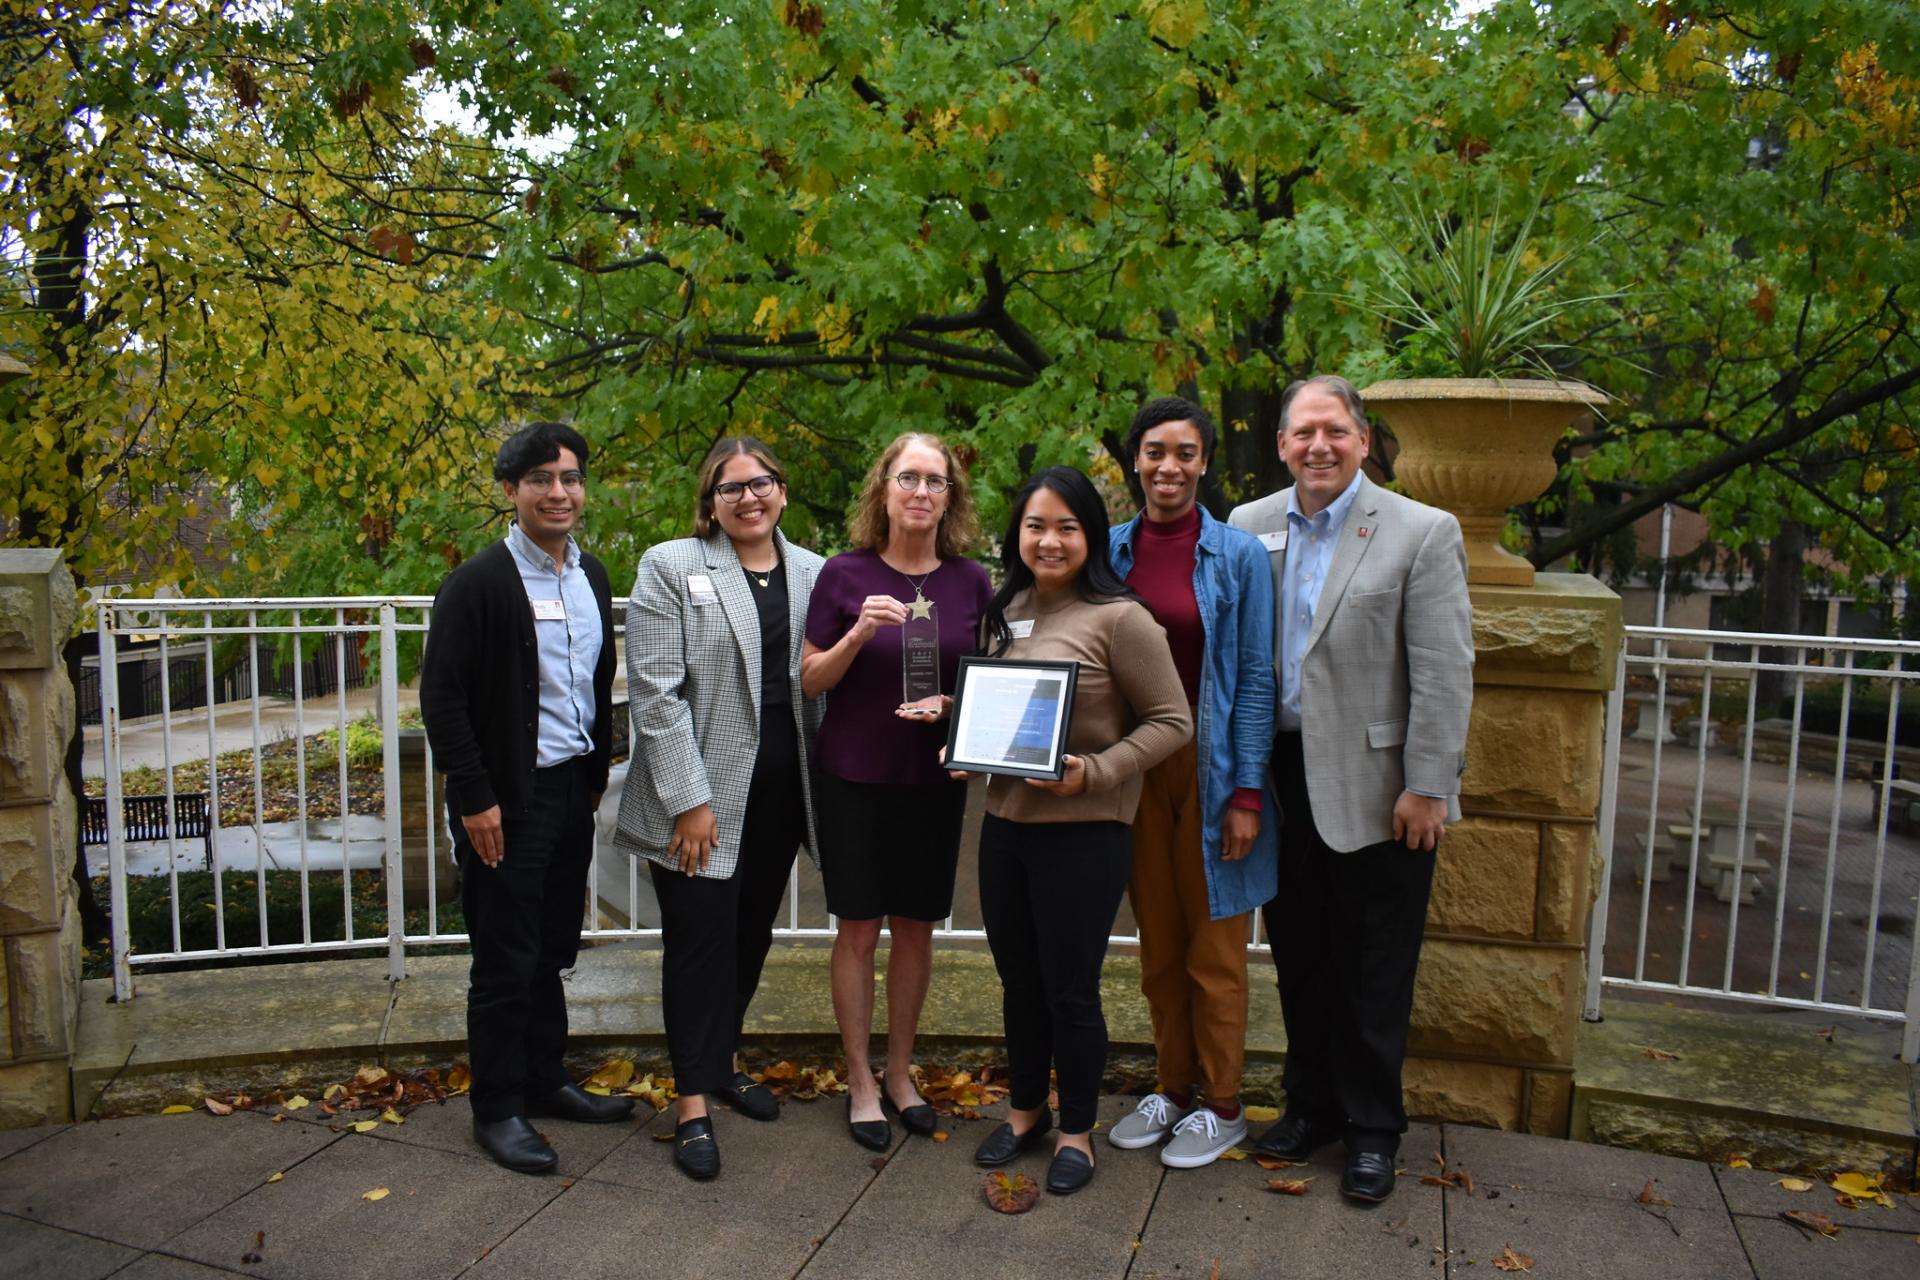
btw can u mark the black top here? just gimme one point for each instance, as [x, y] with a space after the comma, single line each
[481, 648]
[775, 637]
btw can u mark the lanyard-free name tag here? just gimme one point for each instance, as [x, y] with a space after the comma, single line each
[700, 588]
[1275, 541]
[1021, 629]
[550, 610]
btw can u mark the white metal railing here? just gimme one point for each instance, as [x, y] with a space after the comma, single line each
[1779, 864]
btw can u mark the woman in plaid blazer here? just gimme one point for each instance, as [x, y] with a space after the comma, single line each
[716, 796]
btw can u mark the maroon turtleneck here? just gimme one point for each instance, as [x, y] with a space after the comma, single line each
[1163, 559]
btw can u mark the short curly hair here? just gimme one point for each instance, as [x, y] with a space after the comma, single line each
[959, 527]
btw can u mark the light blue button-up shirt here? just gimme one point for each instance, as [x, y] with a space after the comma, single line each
[569, 647]
[1310, 547]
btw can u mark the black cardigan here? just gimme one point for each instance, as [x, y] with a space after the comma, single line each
[481, 647]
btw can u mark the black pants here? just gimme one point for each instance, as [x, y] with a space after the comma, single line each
[715, 933]
[524, 919]
[1048, 894]
[1345, 930]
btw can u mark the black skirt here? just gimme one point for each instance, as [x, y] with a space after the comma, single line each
[888, 849]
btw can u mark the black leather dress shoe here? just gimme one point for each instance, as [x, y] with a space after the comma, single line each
[694, 1149]
[1296, 1137]
[514, 1144]
[751, 1098]
[1369, 1177]
[1070, 1171]
[1003, 1144]
[874, 1135]
[571, 1102]
[918, 1118]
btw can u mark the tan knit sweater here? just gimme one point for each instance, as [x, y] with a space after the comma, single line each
[1129, 711]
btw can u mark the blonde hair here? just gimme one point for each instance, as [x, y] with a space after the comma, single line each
[959, 527]
[724, 450]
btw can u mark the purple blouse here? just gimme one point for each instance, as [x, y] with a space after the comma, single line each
[861, 740]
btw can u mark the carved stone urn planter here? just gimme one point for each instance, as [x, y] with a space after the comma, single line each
[1477, 446]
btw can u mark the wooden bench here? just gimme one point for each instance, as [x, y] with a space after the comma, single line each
[1903, 805]
[145, 818]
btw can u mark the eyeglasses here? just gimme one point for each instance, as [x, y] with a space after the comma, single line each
[542, 481]
[911, 480]
[731, 490]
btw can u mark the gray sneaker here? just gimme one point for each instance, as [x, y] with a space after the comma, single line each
[1201, 1137]
[1148, 1123]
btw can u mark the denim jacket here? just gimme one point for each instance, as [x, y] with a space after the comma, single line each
[1233, 728]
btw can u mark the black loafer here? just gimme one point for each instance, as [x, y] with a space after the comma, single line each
[1369, 1177]
[1003, 1144]
[1070, 1171]
[918, 1118]
[1296, 1137]
[751, 1098]
[874, 1135]
[514, 1144]
[694, 1149]
[571, 1102]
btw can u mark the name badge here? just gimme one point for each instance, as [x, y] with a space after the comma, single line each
[1020, 629]
[700, 588]
[550, 610]
[1275, 541]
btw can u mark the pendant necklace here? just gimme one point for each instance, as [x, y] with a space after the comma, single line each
[764, 579]
[921, 606]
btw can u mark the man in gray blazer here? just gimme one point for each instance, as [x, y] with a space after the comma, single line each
[1373, 646]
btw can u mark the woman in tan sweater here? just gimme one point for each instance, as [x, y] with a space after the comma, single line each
[1054, 856]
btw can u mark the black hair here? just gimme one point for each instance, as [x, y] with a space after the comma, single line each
[1166, 409]
[1097, 580]
[535, 445]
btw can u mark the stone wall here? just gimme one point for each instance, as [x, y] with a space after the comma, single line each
[39, 918]
[1503, 971]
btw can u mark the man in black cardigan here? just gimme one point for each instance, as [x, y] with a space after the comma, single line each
[516, 691]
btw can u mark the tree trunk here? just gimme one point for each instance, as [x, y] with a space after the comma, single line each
[1780, 598]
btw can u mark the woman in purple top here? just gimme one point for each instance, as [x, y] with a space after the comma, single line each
[887, 813]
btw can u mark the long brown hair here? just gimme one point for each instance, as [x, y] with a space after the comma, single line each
[959, 526]
[725, 448]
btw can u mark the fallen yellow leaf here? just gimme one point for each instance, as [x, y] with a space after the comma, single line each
[275, 1177]
[176, 1109]
[1739, 1162]
[365, 1126]
[218, 1107]
[295, 1102]
[1262, 1115]
[1796, 1184]
[392, 1117]
[1233, 1153]
[612, 1075]
[459, 1078]
[378, 1193]
[333, 1091]
[1511, 1261]
[1862, 1187]
[598, 1090]
[939, 1135]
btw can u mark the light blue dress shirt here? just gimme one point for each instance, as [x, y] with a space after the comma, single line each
[1310, 547]
[569, 646]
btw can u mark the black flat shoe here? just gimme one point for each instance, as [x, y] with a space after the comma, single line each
[1369, 1177]
[1070, 1171]
[918, 1118]
[694, 1149]
[874, 1135]
[571, 1102]
[1003, 1144]
[514, 1144]
[750, 1098]
[1296, 1137]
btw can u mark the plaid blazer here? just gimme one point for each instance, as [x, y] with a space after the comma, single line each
[693, 688]
[1386, 686]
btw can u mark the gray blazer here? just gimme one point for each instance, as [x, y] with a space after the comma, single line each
[693, 685]
[1386, 686]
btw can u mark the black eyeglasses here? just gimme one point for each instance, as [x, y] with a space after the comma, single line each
[911, 480]
[731, 490]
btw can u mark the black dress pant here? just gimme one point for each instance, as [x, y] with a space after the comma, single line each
[524, 916]
[1048, 893]
[1345, 930]
[715, 933]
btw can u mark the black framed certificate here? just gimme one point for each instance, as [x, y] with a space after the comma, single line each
[1010, 715]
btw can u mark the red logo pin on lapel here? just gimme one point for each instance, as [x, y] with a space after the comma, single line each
[1363, 531]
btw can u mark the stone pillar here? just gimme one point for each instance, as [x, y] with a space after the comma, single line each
[1502, 974]
[39, 918]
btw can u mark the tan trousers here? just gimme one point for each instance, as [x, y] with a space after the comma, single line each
[1193, 969]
